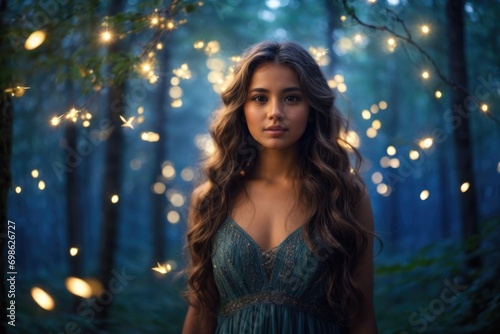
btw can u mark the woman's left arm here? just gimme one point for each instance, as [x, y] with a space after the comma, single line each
[364, 322]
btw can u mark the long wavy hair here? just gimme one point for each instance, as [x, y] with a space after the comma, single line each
[328, 169]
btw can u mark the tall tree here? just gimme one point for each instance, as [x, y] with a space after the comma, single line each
[5, 153]
[457, 66]
[443, 166]
[73, 219]
[72, 207]
[116, 104]
[72, 203]
[393, 133]
[333, 19]
[158, 201]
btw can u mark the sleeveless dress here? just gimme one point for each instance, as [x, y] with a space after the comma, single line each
[277, 291]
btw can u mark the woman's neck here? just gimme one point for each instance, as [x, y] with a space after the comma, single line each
[276, 165]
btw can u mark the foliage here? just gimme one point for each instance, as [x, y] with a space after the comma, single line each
[149, 304]
[428, 292]
[409, 296]
[74, 38]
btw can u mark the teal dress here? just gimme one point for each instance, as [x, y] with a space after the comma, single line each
[263, 292]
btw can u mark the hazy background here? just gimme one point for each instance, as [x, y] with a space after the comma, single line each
[119, 194]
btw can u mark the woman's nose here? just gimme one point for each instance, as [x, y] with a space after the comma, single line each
[276, 110]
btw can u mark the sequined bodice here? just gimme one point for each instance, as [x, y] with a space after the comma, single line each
[289, 278]
[268, 257]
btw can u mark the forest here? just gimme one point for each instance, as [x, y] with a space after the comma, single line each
[104, 113]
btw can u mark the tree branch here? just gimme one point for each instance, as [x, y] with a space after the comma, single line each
[408, 39]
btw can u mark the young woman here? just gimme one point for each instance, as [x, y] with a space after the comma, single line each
[281, 232]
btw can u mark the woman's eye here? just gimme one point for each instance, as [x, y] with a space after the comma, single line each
[259, 98]
[292, 98]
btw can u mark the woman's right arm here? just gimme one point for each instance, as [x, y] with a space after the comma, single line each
[197, 322]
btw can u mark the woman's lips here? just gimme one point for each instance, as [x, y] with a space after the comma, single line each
[275, 131]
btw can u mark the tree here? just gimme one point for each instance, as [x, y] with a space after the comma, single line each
[73, 212]
[457, 66]
[116, 104]
[82, 66]
[158, 201]
[73, 222]
[457, 80]
[333, 24]
[393, 128]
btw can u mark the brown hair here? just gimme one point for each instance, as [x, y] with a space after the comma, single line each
[330, 184]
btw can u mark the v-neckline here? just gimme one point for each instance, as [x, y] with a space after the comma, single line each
[245, 233]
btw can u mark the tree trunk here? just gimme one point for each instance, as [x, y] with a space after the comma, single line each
[72, 208]
[73, 215]
[6, 116]
[158, 202]
[112, 180]
[444, 152]
[461, 126]
[332, 15]
[443, 166]
[393, 127]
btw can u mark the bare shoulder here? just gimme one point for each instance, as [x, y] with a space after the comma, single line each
[364, 213]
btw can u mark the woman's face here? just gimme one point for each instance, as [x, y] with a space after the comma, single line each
[276, 111]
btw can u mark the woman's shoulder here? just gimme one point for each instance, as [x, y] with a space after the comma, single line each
[364, 213]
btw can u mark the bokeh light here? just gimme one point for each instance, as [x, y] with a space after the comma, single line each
[173, 217]
[391, 150]
[187, 174]
[426, 143]
[177, 200]
[78, 287]
[34, 40]
[377, 177]
[366, 114]
[159, 188]
[414, 155]
[424, 195]
[168, 171]
[376, 124]
[371, 132]
[42, 298]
